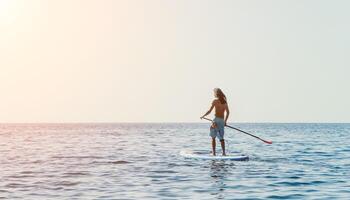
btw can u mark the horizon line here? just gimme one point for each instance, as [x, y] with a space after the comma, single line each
[155, 122]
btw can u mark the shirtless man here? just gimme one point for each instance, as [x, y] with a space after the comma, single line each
[219, 122]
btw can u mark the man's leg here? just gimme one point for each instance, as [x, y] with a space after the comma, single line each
[223, 147]
[213, 145]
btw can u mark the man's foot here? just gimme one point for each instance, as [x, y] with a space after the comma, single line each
[224, 154]
[214, 154]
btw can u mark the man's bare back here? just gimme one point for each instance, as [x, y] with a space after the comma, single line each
[219, 108]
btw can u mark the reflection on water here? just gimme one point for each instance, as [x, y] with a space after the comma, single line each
[142, 161]
[218, 173]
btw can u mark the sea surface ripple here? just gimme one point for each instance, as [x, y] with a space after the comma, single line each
[142, 161]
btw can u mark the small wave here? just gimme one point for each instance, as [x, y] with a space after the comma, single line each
[76, 157]
[270, 176]
[67, 183]
[37, 161]
[29, 172]
[119, 162]
[69, 174]
[155, 177]
[164, 171]
[289, 183]
[20, 176]
[16, 185]
[291, 196]
[294, 177]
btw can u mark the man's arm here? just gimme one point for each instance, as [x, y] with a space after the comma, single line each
[227, 114]
[209, 111]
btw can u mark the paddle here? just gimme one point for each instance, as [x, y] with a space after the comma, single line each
[268, 142]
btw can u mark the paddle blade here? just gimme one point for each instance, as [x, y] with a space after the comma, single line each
[267, 142]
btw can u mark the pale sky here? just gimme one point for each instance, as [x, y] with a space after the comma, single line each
[158, 61]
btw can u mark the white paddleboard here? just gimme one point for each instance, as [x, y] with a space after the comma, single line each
[205, 155]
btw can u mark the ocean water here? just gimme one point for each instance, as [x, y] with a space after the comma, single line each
[142, 161]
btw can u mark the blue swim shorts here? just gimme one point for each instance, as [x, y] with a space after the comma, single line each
[218, 130]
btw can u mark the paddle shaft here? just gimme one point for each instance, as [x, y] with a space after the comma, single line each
[268, 142]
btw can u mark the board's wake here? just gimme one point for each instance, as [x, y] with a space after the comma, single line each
[205, 155]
